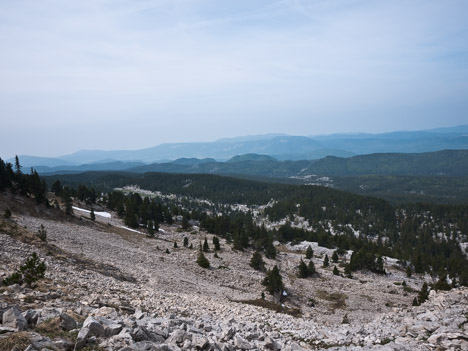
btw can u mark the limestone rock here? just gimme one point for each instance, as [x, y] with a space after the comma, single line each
[12, 318]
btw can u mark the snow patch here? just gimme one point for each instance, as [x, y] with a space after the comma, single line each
[98, 213]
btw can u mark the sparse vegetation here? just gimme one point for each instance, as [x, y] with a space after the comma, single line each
[31, 271]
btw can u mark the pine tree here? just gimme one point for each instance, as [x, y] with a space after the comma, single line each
[217, 247]
[17, 165]
[423, 293]
[185, 241]
[442, 283]
[273, 281]
[256, 262]
[303, 271]
[336, 271]
[326, 261]
[270, 250]
[347, 271]
[202, 260]
[31, 271]
[409, 271]
[335, 257]
[150, 228]
[92, 215]
[175, 245]
[309, 253]
[185, 223]
[206, 248]
[379, 267]
[311, 267]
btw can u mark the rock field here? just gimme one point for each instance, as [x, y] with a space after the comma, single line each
[108, 288]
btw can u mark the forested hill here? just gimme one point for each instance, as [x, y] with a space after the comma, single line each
[446, 163]
[427, 235]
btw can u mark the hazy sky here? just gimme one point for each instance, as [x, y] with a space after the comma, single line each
[129, 74]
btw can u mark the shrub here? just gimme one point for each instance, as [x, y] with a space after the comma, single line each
[42, 233]
[7, 213]
[31, 271]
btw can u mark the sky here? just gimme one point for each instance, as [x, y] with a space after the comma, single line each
[131, 74]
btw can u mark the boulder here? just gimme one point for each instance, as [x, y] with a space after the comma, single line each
[178, 336]
[112, 329]
[82, 338]
[67, 323]
[95, 328]
[242, 344]
[12, 318]
[31, 316]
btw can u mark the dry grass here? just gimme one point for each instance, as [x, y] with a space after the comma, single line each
[19, 340]
[52, 329]
[337, 300]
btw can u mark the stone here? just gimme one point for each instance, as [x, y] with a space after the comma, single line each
[140, 334]
[67, 323]
[95, 328]
[4, 330]
[228, 333]
[139, 314]
[178, 336]
[82, 338]
[31, 316]
[12, 318]
[48, 314]
[112, 329]
[271, 344]
[242, 344]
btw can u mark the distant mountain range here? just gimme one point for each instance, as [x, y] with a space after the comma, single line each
[279, 146]
[453, 163]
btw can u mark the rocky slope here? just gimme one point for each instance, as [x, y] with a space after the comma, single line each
[110, 288]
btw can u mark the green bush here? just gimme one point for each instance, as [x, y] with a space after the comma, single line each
[202, 260]
[31, 271]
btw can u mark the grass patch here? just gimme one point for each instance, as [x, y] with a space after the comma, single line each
[295, 312]
[19, 340]
[337, 300]
[52, 330]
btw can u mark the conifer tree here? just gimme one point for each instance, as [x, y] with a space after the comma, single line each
[311, 267]
[150, 228]
[202, 260]
[335, 257]
[92, 215]
[273, 281]
[256, 262]
[326, 261]
[206, 248]
[423, 293]
[217, 247]
[347, 271]
[303, 270]
[336, 271]
[309, 253]
[185, 241]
